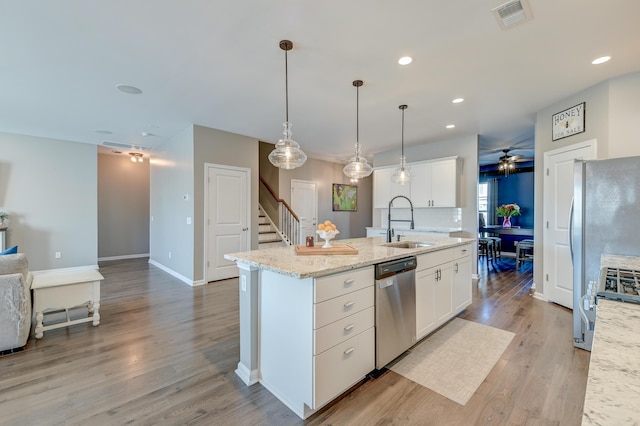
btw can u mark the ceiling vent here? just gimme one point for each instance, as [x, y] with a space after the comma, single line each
[126, 146]
[512, 12]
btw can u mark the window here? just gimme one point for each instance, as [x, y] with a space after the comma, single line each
[482, 202]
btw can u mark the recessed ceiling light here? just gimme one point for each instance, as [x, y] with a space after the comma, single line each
[147, 134]
[457, 100]
[132, 90]
[104, 132]
[450, 126]
[601, 60]
[405, 60]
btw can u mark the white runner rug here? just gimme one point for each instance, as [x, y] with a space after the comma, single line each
[456, 359]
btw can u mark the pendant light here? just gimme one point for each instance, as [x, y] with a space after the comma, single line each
[402, 175]
[357, 166]
[287, 154]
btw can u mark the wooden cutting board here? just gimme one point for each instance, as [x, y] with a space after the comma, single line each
[303, 250]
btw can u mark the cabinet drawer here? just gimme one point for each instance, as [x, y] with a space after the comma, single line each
[462, 251]
[341, 330]
[434, 258]
[342, 366]
[345, 282]
[339, 307]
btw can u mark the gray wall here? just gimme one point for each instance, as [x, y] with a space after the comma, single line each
[218, 147]
[123, 207]
[171, 178]
[611, 117]
[465, 147]
[49, 188]
[324, 174]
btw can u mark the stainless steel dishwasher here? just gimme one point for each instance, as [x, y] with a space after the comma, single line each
[395, 309]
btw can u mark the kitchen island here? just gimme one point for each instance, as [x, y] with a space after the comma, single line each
[307, 322]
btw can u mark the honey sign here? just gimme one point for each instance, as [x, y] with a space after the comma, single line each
[568, 122]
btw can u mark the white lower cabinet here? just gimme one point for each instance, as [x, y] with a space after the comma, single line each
[443, 287]
[340, 367]
[317, 336]
[425, 302]
[462, 290]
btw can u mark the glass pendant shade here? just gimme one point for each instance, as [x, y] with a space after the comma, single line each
[357, 167]
[287, 154]
[402, 175]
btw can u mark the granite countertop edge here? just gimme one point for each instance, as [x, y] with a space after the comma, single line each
[284, 261]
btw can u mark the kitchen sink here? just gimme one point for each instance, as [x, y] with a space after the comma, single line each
[409, 244]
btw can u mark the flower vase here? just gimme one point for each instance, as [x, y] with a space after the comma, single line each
[506, 223]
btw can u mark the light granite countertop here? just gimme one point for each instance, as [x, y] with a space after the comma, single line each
[284, 260]
[613, 385]
[419, 229]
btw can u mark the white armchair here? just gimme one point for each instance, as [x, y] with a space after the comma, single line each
[15, 302]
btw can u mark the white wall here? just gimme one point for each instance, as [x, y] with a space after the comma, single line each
[123, 207]
[171, 178]
[612, 117]
[49, 189]
[219, 147]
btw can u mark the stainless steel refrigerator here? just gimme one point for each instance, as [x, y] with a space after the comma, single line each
[605, 219]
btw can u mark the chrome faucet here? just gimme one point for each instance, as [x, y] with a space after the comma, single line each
[389, 230]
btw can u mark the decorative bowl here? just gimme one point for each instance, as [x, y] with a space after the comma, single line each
[327, 236]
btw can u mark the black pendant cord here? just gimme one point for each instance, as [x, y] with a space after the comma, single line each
[357, 114]
[402, 133]
[286, 85]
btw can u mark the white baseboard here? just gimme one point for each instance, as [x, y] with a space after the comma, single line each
[172, 273]
[249, 377]
[66, 270]
[127, 256]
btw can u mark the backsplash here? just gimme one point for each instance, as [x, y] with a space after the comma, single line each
[433, 218]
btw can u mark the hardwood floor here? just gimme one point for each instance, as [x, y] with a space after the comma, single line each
[165, 353]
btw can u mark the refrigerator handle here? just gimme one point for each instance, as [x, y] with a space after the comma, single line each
[571, 229]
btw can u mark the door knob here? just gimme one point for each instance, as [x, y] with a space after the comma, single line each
[245, 229]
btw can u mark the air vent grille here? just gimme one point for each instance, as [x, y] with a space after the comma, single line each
[511, 13]
[505, 11]
[126, 146]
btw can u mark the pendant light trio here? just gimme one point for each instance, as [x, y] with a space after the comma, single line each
[288, 155]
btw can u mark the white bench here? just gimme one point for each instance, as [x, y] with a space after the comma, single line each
[62, 291]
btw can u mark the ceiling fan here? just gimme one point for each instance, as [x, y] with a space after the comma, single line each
[507, 163]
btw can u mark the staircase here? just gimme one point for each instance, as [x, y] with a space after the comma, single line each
[267, 233]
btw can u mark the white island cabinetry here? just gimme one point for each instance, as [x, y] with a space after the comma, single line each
[443, 287]
[317, 336]
[461, 292]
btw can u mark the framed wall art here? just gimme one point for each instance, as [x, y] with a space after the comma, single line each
[344, 198]
[568, 122]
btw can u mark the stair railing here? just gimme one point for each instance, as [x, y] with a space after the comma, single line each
[289, 224]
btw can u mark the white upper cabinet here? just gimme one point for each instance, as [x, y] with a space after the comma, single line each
[434, 184]
[384, 189]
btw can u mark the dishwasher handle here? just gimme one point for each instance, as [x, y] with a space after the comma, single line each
[387, 282]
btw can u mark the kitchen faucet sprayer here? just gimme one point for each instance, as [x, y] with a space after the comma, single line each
[389, 231]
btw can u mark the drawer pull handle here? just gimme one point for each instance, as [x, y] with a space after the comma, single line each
[349, 305]
[349, 327]
[349, 351]
[349, 281]
[464, 250]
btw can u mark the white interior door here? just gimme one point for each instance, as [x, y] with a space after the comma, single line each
[226, 219]
[558, 195]
[304, 202]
